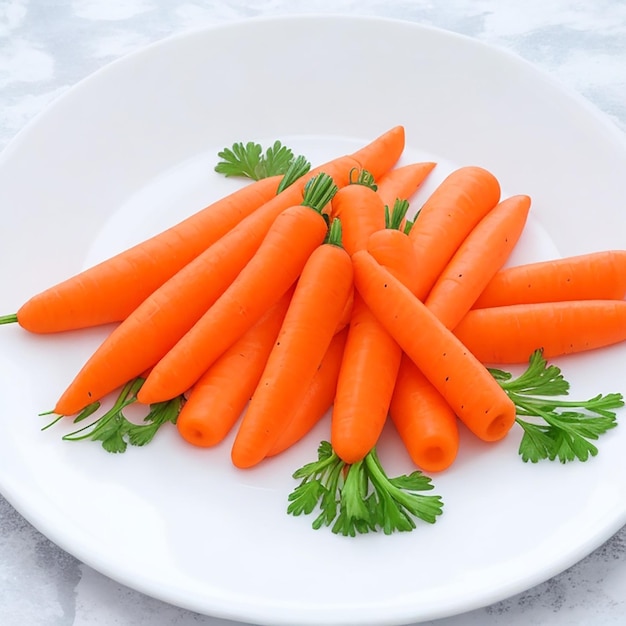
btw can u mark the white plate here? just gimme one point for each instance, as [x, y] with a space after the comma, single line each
[131, 150]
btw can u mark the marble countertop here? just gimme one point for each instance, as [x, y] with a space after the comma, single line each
[46, 47]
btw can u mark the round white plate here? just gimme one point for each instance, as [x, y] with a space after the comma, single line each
[131, 150]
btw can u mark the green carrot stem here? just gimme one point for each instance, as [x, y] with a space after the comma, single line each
[8, 319]
[319, 191]
[335, 233]
[298, 168]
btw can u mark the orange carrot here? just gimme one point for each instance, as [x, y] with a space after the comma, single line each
[510, 334]
[464, 382]
[219, 397]
[308, 328]
[424, 420]
[273, 269]
[593, 276]
[167, 314]
[360, 210]
[448, 216]
[365, 385]
[402, 182]
[318, 398]
[109, 291]
[381, 154]
[479, 257]
[394, 249]
[369, 367]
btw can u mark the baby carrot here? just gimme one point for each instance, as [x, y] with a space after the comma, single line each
[394, 249]
[511, 333]
[381, 154]
[309, 326]
[318, 398]
[479, 257]
[402, 182]
[449, 214]
[219, 397]
[424, 420]
[273, 269]
[167, 314]
[464, 382]
[109, 291]
[360, 210]
[592, 276]
[366, 380]
[369, 367]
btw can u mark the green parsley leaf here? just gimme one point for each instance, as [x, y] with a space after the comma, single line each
[361, 498]
[249, 161]
[558, 428]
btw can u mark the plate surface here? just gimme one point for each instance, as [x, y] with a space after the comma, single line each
[130, 151]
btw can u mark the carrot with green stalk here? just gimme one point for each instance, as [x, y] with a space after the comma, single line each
[269, 274]
[360, 209]
[307, 331]
[591, 276]
[367, 375]
[109, 291]
[166, 315]
[421, 415]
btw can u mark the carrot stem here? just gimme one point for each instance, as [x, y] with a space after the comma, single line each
[8, 319]
[298, 168]
[319, 191]
[334, 236]
[395, 216]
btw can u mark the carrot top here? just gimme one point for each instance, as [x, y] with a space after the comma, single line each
[394, 217]
[318, 192]
[363, 177]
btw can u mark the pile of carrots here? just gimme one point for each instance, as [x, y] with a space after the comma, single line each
[277, 306]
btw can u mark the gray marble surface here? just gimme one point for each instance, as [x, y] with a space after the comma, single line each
[47, 46]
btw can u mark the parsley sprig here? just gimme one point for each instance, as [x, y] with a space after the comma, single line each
[114, 430]
[361, 498]
[249, 160]
[558, 429]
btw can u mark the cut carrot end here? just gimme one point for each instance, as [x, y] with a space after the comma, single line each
[498, 427]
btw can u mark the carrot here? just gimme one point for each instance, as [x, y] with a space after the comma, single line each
[365, 385]
[479, 257]
[369, 368]
[166, 315]
[219, 397]
[424, 420]
[593, 276]
[109, 291]
[464, 382]
[511, 333]
[394, 249]
[318, 398]
[308, 328]
[381, 154]
[273, 269]
[360, 210]
[449, 214]
[402, 182]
